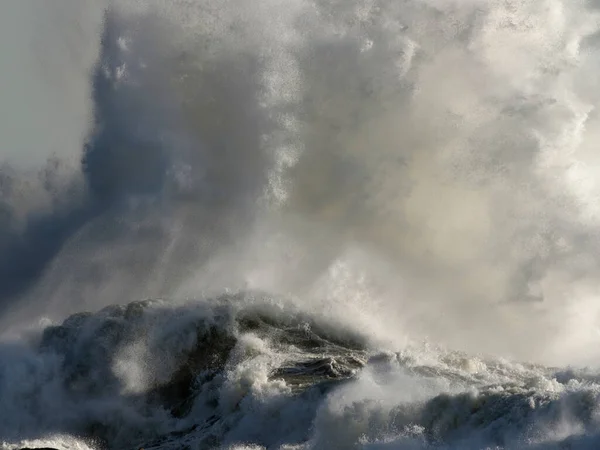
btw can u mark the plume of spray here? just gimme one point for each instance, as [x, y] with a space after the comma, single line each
[415, 168]
[173, 164]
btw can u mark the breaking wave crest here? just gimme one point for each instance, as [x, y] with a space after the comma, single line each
[411, 186]
[246, 368]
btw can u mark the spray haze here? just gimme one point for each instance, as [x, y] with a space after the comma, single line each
[427, 165]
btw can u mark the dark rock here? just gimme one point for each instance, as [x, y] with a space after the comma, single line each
[209, 355]
[38, 448]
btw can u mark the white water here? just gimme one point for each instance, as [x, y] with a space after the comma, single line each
[411, 170]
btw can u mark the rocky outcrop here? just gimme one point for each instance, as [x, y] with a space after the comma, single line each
[182, 353]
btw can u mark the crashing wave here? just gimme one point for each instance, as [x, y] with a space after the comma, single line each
[133, 373]
[237, 369]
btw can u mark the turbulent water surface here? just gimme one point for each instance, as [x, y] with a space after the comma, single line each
[299, 224]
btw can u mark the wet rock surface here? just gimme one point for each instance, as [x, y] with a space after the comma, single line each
[185, 353]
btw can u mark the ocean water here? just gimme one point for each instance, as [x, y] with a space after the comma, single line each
[300, 224]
